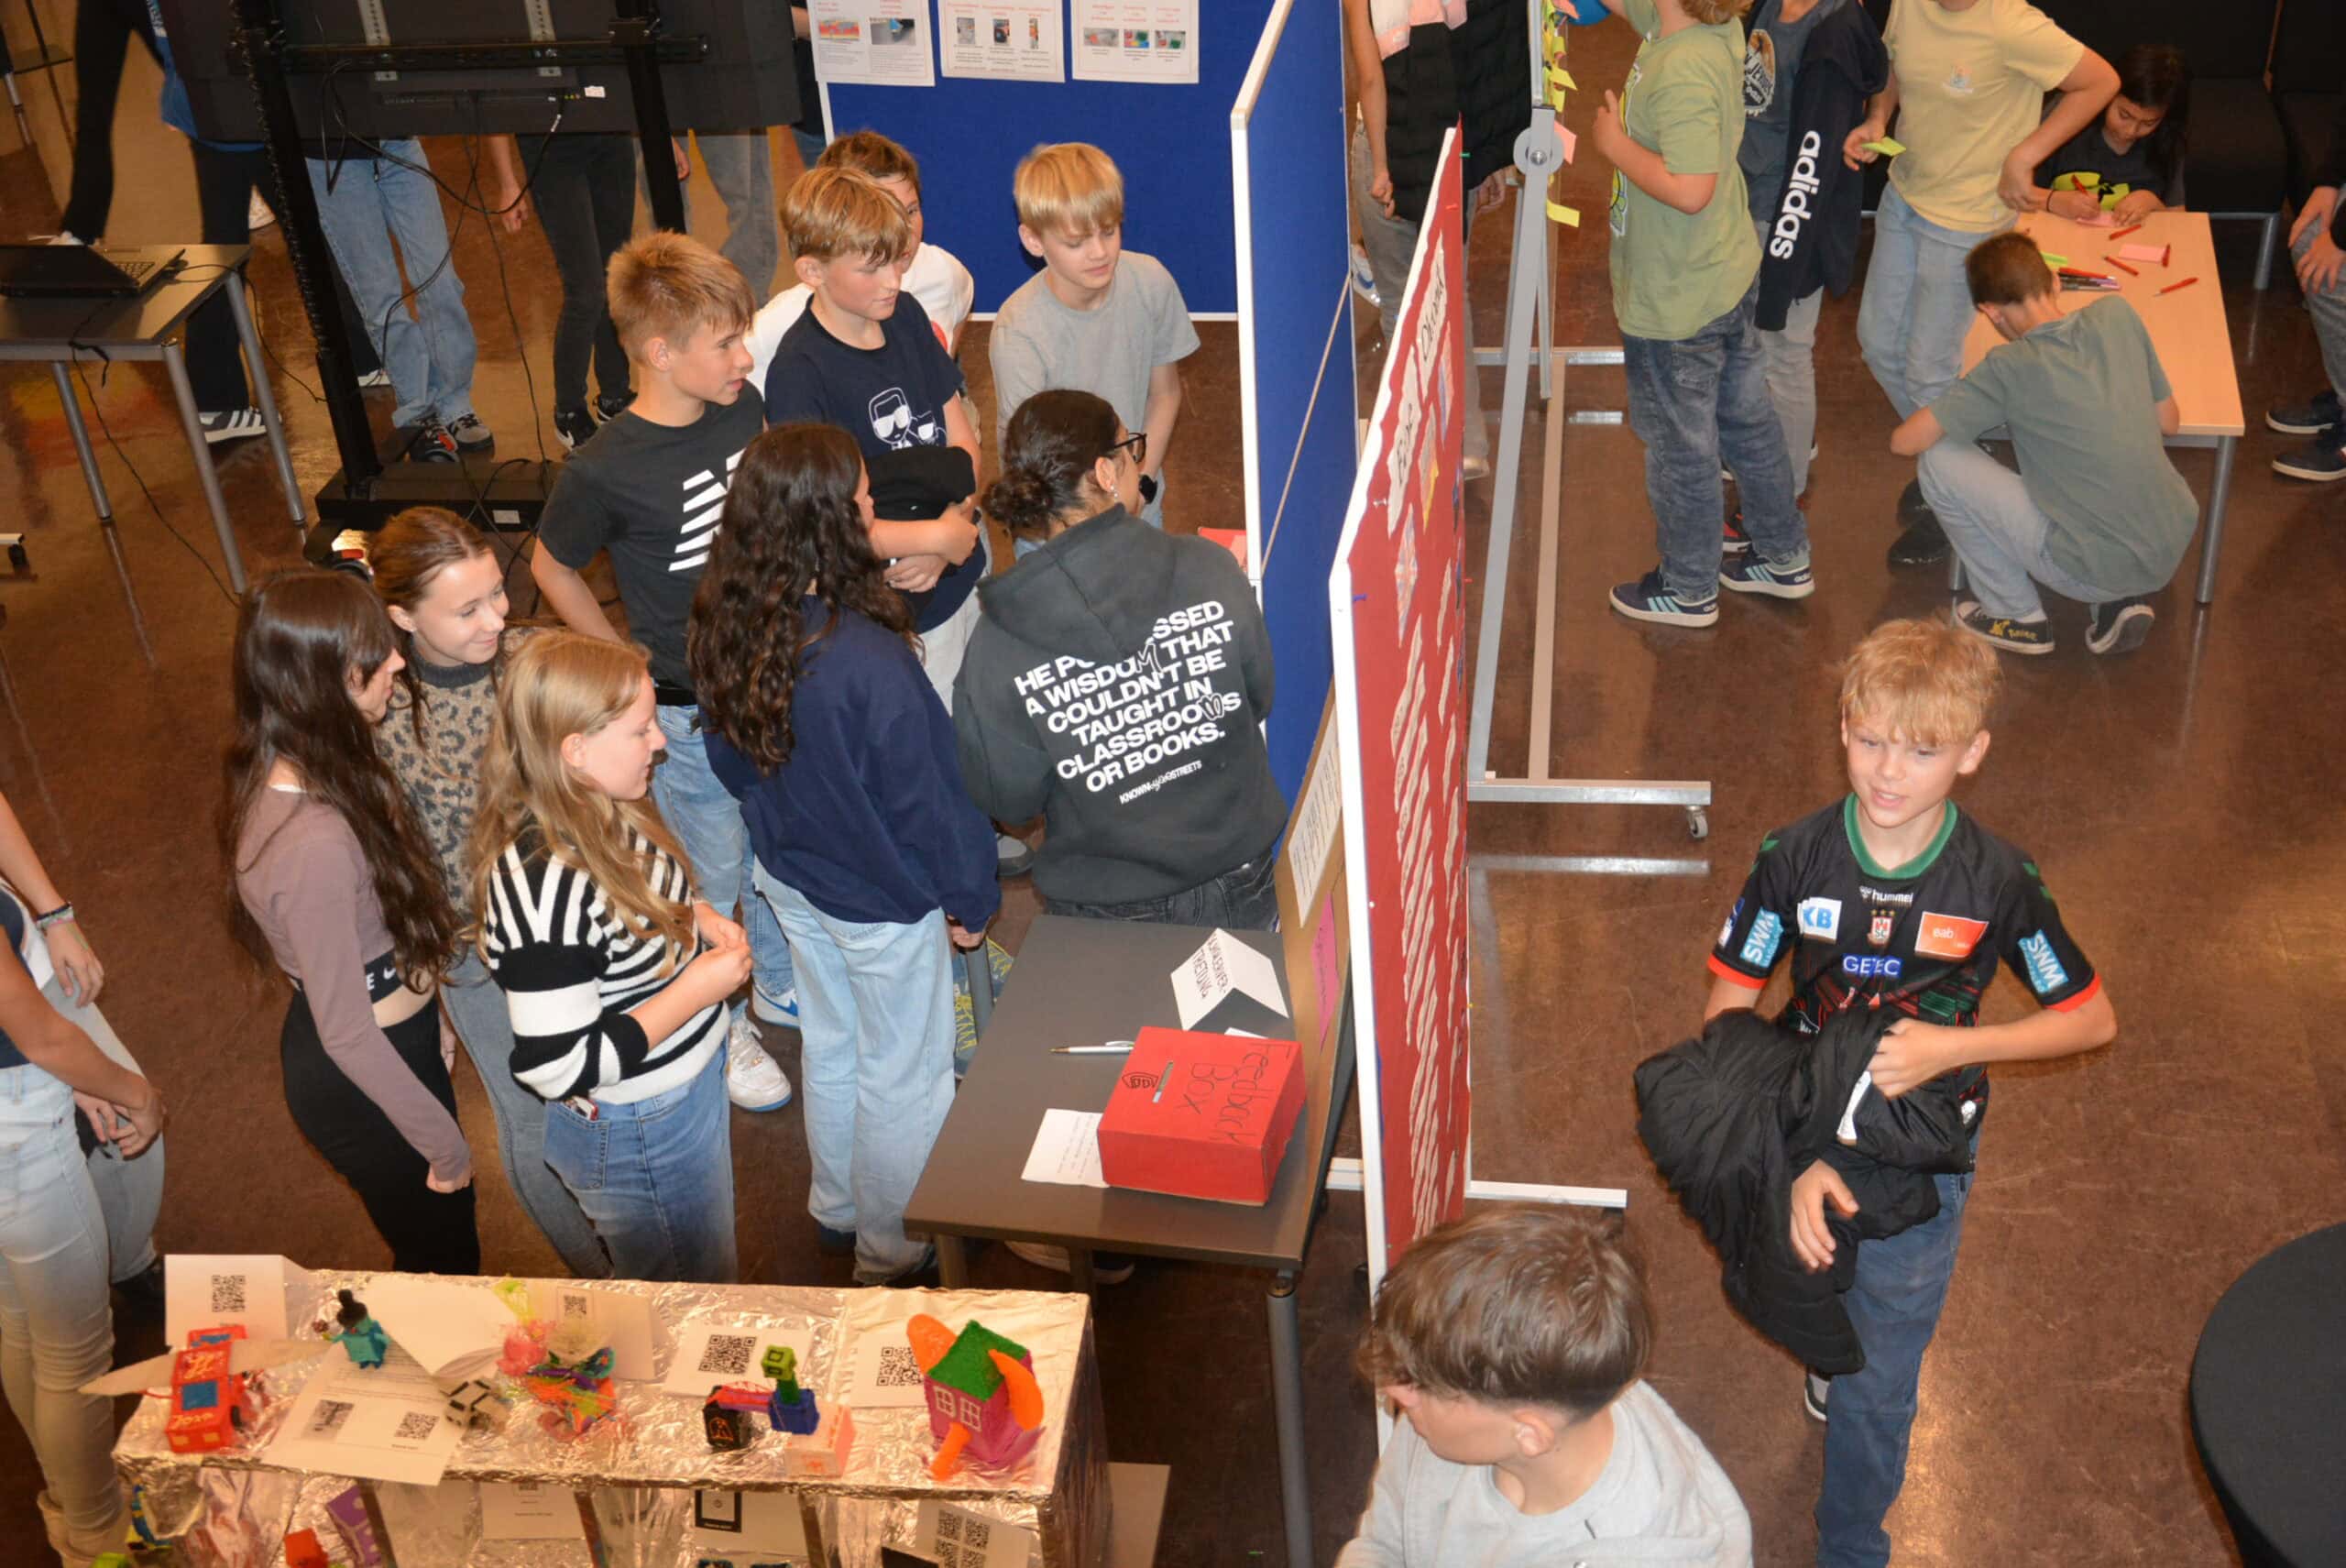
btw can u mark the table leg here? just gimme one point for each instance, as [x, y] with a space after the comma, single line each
[952, 1262]
[90, 474]
[175, 362]
[1286, 1408]
[266, 399]
[1079, 1270]
[2218, 495]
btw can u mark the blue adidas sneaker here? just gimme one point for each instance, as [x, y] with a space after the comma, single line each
[1649, 599]
[1750, 574]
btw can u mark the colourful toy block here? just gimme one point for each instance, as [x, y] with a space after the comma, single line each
[823, 1452]
[727, 1429]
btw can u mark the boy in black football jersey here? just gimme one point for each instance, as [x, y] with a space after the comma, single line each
[1892, 897]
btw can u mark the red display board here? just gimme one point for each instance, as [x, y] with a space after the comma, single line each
[1397, 614]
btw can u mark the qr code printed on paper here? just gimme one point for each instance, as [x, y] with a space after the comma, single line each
[329, 1417]
[728, 1355]
[948, 1527]
[227, 1292]
[415, 1426]
[897, 1367]
[574, 1303]
[951, 1556]
[975, 1538]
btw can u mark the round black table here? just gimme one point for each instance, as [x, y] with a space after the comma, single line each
[2268, 1403]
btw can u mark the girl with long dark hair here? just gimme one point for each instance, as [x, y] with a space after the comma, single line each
[2129, 161]
[331, 879]
[868, 849]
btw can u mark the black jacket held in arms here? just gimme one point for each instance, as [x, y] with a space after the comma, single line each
[1812, 243]
[1479, 72]
[1732, 1117]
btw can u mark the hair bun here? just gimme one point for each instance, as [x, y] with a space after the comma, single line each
[1021, 499]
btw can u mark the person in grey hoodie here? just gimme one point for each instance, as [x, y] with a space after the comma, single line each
[1512, 1343]
[1117, 682]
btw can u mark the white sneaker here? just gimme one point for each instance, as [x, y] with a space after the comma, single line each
[781, 1010]
[1814, 1395]
[233, 424]
[377, 376]
[66, 237]
[257, 216]
[753, 1080]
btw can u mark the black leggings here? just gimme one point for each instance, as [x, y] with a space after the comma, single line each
[102, 33]
[584, 190]
[429, 1232]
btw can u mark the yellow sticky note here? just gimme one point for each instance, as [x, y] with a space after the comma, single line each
[1560, 77]
[2053, 261]
[1568, 216]
[1889, 147]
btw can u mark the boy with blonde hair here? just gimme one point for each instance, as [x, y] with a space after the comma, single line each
[1892, 898]
[1098, 318]
[1511, 1341]
[648, 491]
[1686, 294]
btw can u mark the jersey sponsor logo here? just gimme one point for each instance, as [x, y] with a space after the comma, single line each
[1877, 929]
[1873, 895]
[1759, 942]
[704, 508]
[1865, 965]
[2045, 974]
[1948, 935]
[1821, 918]
[1726, 926]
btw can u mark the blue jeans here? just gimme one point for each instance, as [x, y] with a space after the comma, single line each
[56, 1319]
[1894, 1306]
[656, 1178]
[1997, 530]
[485, 1024]
[1696, 402]
[875, 1021]
[1917, 306]
[1244, 898]
[429, 354]
[707, 821]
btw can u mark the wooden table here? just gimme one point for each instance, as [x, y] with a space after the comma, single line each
[2188, 328]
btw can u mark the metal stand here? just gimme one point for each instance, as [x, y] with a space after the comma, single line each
[1529, 326]
[1287, 1412]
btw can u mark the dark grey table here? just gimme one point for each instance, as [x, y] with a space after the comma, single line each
[1082, 982]
[150, 326]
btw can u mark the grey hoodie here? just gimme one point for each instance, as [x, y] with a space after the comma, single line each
[1117, 681]
[1660, 1498]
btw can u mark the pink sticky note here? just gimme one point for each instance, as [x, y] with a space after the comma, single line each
[1565, 139]
[1323, 966]
[2151, 253]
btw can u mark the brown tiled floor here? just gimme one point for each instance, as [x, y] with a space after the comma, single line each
[2182, 801]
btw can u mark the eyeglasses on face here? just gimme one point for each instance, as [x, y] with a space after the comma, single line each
[1137, 443]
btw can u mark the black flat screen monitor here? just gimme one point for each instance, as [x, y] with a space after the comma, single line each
[745, 81]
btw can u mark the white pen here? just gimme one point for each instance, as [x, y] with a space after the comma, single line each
[1113, 1048]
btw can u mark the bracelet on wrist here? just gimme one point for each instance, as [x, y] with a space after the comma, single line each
[60, 916]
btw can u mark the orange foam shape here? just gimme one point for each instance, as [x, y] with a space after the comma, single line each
[1026, 1393]
[931, 1340]
[948, 1452]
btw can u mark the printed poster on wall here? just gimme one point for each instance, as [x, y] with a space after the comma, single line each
[1019, 40]
[1136, 41]
[880, 43]
[1397, 616]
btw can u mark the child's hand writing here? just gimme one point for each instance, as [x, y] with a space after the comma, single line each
[1911, 1053]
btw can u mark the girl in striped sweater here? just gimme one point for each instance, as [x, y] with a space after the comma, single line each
[614, 973]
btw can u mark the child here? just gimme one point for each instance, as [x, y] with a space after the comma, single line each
[1096, 318]
[1512, 1342]
[1685, 285]
[2131, 163]
[650, 492]
[868, 849]
[2097, 513]
[615, 976]
[1890, 897]
[2317, 247]
[934, 275]
[1967, 82]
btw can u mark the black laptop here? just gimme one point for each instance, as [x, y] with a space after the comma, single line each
[81, 271]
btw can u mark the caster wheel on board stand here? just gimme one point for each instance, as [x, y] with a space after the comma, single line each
[1698, 822]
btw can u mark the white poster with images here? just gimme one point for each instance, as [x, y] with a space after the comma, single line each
[1136, 41]
[881, 43]
[1016, 40]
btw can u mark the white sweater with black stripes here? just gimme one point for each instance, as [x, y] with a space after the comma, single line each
[572, 971]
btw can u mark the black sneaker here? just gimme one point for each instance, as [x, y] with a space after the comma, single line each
[574, 427]
[834, 1243]
[2311, 417]
[1911, 506]
[433, 444]
[1922, 544]
[2320, 460]
[2029, 637]
[610, 405]
[1733, 541]
[232, 425]
[2119, 626]
[473, 438]
[1815, 1394]
[1649, 599]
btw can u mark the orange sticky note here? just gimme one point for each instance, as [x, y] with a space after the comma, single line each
[1565, 139]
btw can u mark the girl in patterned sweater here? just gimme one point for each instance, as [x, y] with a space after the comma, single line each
[614, 973]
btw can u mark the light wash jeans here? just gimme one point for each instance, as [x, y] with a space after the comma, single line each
[429, 354]
[943, 648]
[1789, 356]
[130, 1191]
[1697, 402]
[875, 1016]
[656, 1178]
[485, 1023]
[1997, 530]
[1894, 1306]
[706, 820]
[740, 165]
[1917, 306]
[2329, 310]
[55, 1318]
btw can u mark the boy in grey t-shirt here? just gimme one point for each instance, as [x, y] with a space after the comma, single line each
[2097, 513]
[1098, 318]
[1527, 1438]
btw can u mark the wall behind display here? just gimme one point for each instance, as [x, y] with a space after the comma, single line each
[1172, 144]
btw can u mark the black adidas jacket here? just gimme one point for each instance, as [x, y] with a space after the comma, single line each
[1812, 243]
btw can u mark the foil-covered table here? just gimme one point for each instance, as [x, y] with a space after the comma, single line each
[638, 1472]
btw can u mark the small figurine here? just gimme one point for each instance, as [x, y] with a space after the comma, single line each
[302, 1549]
[781, 1363]
[357, 1332]
[983, 1401]
[822, 1453]
[727, 1426]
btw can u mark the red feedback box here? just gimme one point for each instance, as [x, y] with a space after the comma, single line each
[1201, 1115]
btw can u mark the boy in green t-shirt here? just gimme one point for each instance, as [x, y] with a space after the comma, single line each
[2097, 513]
[1686, 286]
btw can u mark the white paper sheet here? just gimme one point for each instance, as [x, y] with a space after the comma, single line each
[623, 1322]
[210, 1292]
[883, 43]
[709, 1353]
[529, 1510]
[1136, 41]
[769, 1525]
[379, 1423]
[882, 1372]
[954, 1536]
[1066, 1150]
[1018, 40]
[1220, 965]
[454, 1329]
